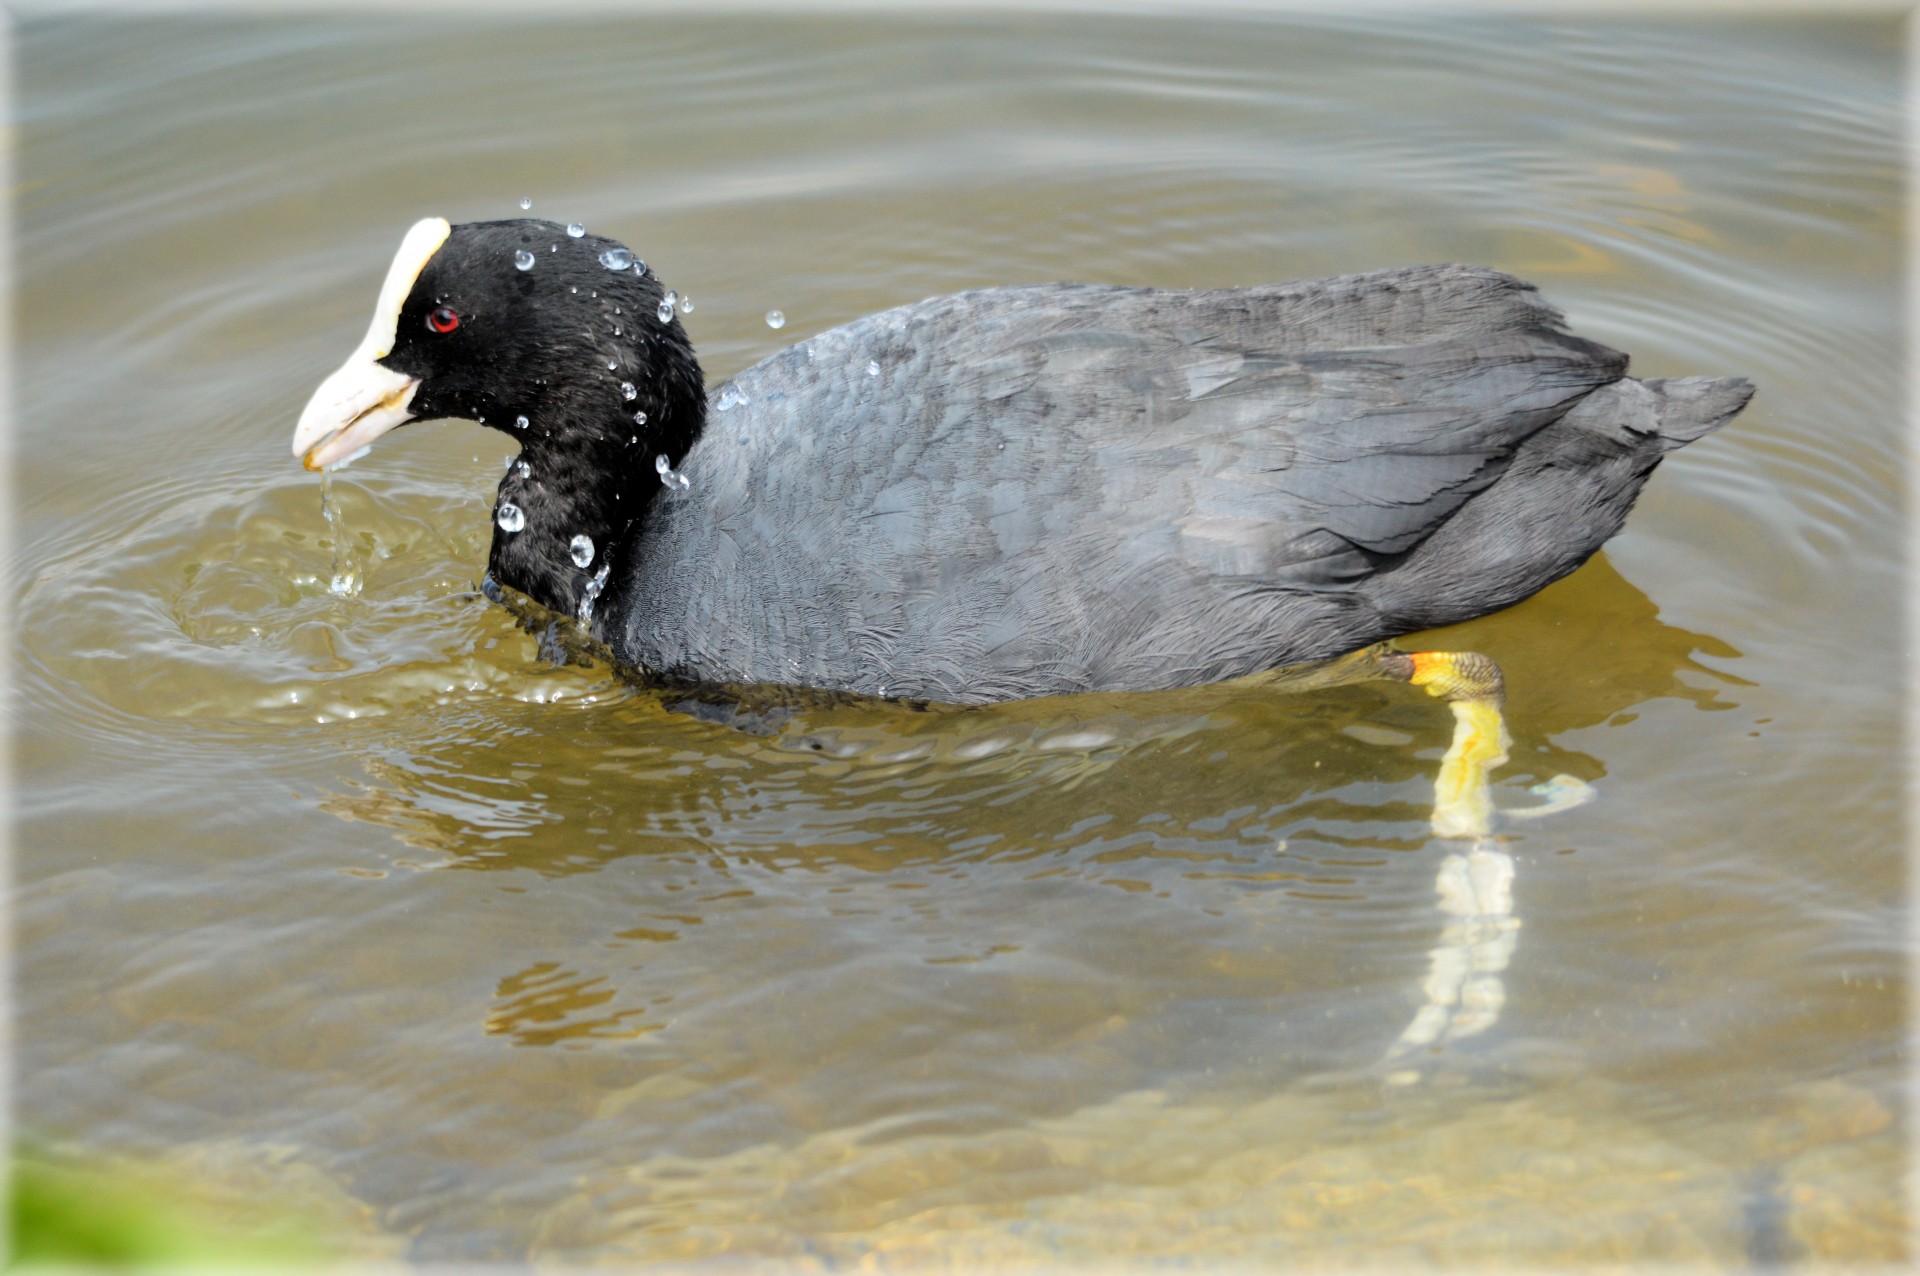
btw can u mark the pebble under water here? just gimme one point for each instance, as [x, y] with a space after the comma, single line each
[455, 945]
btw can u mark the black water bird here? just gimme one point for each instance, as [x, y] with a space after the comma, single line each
[1026, 491]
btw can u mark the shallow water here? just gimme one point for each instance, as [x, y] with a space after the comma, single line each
[352, 888]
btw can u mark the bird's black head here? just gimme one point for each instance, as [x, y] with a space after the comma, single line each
[566, 342]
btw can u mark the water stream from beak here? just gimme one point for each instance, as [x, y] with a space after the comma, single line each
[345, 581]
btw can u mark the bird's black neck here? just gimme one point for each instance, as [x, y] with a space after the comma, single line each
[558, 515]
[571, 503]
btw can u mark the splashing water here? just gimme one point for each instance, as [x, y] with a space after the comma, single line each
[686, 305]
[526, 202]
[775, 319]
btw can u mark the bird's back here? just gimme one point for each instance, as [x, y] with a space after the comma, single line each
[1028, 491]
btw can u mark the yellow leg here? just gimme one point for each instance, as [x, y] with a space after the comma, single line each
[1472, 687]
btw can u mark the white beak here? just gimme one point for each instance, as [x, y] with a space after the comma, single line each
[352, 408]
[362, 400]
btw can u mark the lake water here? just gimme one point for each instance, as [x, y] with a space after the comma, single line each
[352, 900]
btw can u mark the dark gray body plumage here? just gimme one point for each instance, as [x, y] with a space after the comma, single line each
[1069, 488]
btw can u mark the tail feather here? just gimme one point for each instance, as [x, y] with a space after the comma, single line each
[1694, 406]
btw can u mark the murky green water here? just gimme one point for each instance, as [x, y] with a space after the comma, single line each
[355, 898]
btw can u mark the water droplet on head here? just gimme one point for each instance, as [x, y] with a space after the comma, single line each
[576, 230]
[509, 517]
[582, 550]
[665, 313]
[572, 289]
[775, 319]
[613, 365]
[523, 260]
[525, 202]
[616, 329]
[873, 367]
[640, 417]
[519, 423]
[616, 259]
[627, 391]
[639, 267]
[553, 248]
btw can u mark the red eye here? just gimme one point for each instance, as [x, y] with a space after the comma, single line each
[443, 320]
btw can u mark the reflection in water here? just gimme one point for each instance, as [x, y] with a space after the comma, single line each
[499, 793]
[545, 1004]
[907, 791]
[1464, 988]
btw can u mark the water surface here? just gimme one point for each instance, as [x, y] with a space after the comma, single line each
[354, 897]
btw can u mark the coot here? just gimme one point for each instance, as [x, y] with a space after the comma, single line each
[1026, 491]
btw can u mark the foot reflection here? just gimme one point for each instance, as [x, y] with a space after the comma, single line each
[1464, 990]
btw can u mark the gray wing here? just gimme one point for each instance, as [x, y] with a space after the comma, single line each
[1035, 490]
